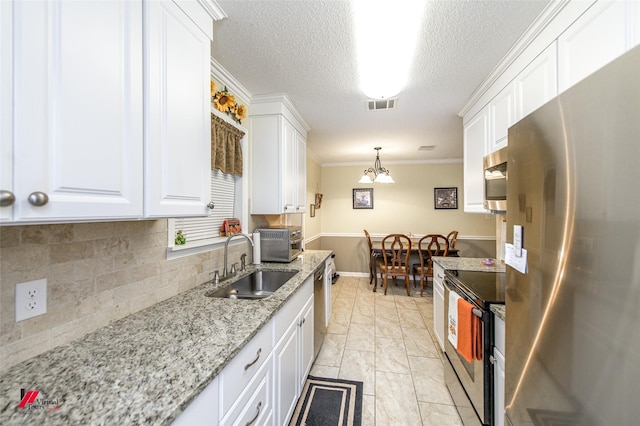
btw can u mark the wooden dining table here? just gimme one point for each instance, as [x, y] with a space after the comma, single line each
[377, 252]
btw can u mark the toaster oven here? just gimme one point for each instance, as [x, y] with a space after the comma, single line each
[280, 244]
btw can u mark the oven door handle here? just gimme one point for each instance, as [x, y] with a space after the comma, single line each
[477, 312]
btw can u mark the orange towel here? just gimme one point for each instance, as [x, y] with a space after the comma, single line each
[469, 332]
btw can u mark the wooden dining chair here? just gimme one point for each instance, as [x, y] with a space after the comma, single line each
[451, 238]
[430, 245]
[373, 260]
[396, 252]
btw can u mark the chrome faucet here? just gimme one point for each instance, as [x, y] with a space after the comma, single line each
[226, 249]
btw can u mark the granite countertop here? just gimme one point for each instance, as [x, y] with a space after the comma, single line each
[146, 368]
[468, 264]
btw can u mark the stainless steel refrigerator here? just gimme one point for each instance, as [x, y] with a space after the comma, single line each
[573, 320]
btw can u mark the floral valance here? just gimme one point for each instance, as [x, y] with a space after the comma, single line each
[226, 148]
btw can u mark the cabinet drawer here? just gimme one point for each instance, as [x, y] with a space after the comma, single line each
[255, 405]
[243, 367]
[289, 312]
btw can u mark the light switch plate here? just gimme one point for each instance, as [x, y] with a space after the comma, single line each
[31, 299]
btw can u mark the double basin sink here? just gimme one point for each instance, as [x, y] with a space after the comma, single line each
[257, 285]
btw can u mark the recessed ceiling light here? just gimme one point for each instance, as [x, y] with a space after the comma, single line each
[427, 148]
[386, 36]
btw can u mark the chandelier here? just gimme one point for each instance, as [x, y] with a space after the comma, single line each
[380, 174]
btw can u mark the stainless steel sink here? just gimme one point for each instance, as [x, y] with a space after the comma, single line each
[257, 285]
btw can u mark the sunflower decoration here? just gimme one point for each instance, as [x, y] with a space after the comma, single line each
[224, 101]
[240, 112]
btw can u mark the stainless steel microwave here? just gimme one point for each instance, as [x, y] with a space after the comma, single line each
[280, 244]
[495, 181]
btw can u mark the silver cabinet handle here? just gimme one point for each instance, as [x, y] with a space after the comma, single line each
[6, 198]
[211, 205]
[246, 367]
[38, 199]
[250, 422]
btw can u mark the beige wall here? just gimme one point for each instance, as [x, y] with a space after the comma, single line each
[313, 224]
[406, 206]
[96, 273]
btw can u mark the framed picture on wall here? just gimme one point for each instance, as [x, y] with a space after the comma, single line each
[363, 198]
[445, 198]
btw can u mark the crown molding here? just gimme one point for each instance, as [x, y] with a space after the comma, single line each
[213, 9]
[548, 14]
[284, 99]
[399, 162]
[234, 86]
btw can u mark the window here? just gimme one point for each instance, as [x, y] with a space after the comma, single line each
[227, 193]
[201, 231]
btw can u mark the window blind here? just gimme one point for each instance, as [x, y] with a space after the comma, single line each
[200, 231]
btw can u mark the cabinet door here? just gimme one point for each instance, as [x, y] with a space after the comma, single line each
[438, 312]
[178, 117]
[306, 342]
[476, 133]
[595, 39]
[6, 105]
[289, 171]
[301, 173]
[267, 165]
[502, 111]
[286, 367]
[537, 83]
[77, 133]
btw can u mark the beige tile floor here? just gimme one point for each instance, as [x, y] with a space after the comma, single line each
[387, 342]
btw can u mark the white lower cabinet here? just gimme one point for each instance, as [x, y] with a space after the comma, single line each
[498, 371]
[236, 376]
[203, 410]
[255, 404]
[438, 303]
[261, 385]
[293, 353]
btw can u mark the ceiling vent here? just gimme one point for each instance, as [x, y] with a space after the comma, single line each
[427, 148]
[381, 104]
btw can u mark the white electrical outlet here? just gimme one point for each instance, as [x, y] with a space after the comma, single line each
[31, 299]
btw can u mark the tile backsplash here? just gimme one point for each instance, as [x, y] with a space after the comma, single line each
[96, 273]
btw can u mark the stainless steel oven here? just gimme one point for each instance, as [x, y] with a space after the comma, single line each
[471, 384]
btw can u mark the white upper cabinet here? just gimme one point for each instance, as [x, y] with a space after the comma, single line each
[77, 115]
[502, 110]
[177, 110]
[537, 83]
[278, 157]
[105, 110]
[7, 197]
[600, 35]
[476, 141]
[301, 171]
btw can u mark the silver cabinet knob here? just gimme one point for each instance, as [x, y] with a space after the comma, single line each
[38, 198]
[211, 205]
[6, 198]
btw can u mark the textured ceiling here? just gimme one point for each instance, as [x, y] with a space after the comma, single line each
[306, 49]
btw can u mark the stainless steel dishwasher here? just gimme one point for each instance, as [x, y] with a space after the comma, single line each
[319, 320]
